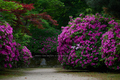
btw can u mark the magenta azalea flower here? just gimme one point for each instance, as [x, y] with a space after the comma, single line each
[9, 49]
[82, 38]
[110, 46]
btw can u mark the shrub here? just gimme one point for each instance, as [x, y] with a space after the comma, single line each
[11, 53]
[80, 41]
[43, 41]
[110, 46]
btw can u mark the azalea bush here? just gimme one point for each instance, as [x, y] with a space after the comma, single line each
[43, 41]
[110, 46]
[80, 41]
[11, 53]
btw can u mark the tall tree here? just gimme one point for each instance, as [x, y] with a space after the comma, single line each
[54, 8]
[111, 7]
[72, 8]
[23, 19]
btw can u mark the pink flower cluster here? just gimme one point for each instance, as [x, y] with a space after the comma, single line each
[110, 46]
[50, 43]
[10, 51]
[80, 41]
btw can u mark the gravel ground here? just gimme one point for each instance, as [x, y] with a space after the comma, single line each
[49, 74]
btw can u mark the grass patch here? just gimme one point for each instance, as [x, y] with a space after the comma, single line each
[9, 73]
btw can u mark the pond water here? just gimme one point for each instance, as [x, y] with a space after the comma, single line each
[44, 61]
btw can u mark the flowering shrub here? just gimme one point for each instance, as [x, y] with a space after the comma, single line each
[11, 53]
[80, 41]
[110, 46]
[44, 41]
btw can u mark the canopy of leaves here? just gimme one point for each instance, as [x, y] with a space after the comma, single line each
[5, 9]
[9, 5]
[111, 7]
[54, 8]
[72, 8]
[60, 10]
[21, 19]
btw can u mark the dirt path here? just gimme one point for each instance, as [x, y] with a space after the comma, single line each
[49, 74]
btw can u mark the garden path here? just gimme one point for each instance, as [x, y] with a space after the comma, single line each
[49, 74]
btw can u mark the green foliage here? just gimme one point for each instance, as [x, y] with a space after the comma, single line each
[21, 38]
[72, 7]
[96, 4]
[110, 7]
[9, 5]
[7, 16]
[50, 6]
[46, 24]
[54, 8]
[42, 38]
[43, 41]
[60, 10]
